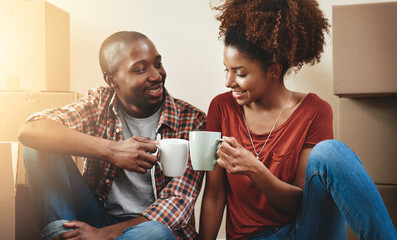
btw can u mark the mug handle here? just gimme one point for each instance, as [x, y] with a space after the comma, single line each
[156, 154]
[158, 162]
[218, 141]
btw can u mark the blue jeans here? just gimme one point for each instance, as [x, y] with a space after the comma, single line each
[60, 194]
[337, 190]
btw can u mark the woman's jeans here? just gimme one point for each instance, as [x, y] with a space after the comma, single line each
[337, 190]
[60, 194]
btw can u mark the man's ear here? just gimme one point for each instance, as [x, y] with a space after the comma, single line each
[110, 80]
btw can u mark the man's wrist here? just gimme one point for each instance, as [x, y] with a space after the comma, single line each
[119, 228]
[107, 150]
[112, 231]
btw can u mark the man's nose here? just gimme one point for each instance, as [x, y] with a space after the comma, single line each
[155, 74]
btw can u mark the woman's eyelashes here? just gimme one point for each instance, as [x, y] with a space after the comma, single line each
[238, 74]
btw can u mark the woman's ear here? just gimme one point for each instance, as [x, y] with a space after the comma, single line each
[110, 80]
[275, 71]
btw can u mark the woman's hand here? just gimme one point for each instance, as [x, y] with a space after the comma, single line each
[235, 159]
[238, 160]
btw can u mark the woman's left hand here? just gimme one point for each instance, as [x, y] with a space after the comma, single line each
[236, 159]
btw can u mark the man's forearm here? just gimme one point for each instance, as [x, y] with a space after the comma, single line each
[51, 136]
[118, 229]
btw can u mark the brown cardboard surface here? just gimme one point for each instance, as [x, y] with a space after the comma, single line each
[35, 46]
[80, 163]
[26, 226]
[16, 107]
[389, 197]
[365, 49]
[7, 192]
[18, 220]
[368, 126]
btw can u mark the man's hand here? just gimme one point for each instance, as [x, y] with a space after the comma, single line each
[134, 154]
[82, 230]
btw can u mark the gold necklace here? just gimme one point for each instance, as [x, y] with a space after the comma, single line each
[274, 125]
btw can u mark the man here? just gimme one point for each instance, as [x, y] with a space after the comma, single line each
[127, 195]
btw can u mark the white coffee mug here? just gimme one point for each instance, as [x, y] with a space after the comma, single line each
[174, 154]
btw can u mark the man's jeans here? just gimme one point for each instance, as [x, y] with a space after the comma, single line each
[337, 190]
[60, 194]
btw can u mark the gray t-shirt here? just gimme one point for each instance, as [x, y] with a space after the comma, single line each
[131, 193]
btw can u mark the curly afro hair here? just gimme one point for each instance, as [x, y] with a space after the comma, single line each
[289, 32]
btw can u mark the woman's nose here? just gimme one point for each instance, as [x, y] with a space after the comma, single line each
[230, 81]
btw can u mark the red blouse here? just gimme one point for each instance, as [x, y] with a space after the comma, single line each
[249, 212]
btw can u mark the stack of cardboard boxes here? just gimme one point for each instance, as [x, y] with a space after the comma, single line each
[365, 79]
[34, 75]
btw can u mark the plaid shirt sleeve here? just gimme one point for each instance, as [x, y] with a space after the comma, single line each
[80, 115]
[175, 203]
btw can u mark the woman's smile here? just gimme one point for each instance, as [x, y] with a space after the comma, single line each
[238, 94]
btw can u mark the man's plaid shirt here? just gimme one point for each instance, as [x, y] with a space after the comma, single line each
[96, 115]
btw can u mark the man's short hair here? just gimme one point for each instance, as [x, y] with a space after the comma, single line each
[110, 53]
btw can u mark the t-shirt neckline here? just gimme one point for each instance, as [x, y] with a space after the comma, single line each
[253, 134]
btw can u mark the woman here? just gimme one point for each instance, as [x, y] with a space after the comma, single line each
[277, 172]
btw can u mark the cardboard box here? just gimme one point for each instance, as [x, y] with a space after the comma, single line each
[8, 166]
[368, 126]
[16, 107]
[18, 220]
[389, 197]
[80, 163]
[26, 225]
[34, 46]
[365, 49]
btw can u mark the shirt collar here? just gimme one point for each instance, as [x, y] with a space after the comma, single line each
[169, 114]
[113, 103]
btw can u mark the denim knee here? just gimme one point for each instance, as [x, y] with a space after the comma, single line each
[150, 230]
[30, 156]
[33, 159]
[332, 153]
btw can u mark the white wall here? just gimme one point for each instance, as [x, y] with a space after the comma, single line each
[185, 33]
